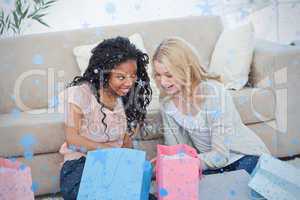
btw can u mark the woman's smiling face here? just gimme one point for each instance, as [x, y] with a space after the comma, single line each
[165, 80]
[123, 77]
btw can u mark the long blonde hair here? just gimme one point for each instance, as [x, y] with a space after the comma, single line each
[183, 63]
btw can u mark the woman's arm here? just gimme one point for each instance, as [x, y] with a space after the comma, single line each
[72, 127]
[219, 120]
[127, 141]
[218, 156]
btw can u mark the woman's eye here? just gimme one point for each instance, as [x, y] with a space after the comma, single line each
[133, 76]
[121, 78]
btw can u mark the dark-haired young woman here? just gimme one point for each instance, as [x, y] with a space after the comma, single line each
[103, 107]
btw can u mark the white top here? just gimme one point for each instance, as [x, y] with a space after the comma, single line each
[217, 131]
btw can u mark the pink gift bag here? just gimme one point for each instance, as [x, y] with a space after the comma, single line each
[177, 172]
[15, 180]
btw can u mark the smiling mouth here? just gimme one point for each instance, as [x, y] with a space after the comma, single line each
[125, 90]
[168, 87]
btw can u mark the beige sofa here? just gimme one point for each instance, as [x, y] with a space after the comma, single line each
[31, 64]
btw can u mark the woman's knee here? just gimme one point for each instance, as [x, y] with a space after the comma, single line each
[70, 177]
[69, 187]
[248, 163]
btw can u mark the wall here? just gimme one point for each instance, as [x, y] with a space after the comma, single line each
[276, 22]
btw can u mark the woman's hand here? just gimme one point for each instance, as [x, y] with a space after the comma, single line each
[135, 131]
[127, 142]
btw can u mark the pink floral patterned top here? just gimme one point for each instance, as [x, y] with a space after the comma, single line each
[91, 124]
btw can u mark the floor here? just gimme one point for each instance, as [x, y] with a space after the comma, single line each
[295, 162]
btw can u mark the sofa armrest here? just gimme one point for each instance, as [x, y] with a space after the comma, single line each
[278, 66]
[271, 61]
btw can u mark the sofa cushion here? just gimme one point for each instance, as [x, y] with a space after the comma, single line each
[150, 146]
[268, 134]
[252, 106]
[45, 171]
[41, 132]
[153, 128]
[233, 55]
[83, 52]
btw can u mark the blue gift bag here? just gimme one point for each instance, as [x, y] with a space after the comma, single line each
[113, 174]
[146, 180]
[275, 180]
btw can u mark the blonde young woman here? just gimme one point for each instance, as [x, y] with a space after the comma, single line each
[198, 111]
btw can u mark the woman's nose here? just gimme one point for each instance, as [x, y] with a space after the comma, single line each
[129, 82]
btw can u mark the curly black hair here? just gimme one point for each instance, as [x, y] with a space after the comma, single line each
[105, 57]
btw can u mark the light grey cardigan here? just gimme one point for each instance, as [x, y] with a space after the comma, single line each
[217, 131]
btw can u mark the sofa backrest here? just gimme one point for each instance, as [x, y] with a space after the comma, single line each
[35, 67]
